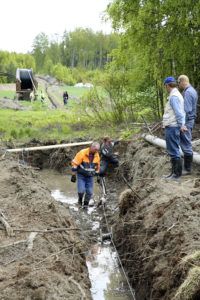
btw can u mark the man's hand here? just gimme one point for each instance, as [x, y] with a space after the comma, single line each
[73, 178]
[116, 153]
[183, 129]
[120, 139]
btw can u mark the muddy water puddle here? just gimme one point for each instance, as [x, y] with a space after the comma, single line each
[107, 279]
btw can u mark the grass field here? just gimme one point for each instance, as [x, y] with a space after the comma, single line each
[8, 94]
[43, 123]
[75, 91]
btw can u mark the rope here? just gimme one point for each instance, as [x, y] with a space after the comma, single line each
[32, 81]
[111, 238]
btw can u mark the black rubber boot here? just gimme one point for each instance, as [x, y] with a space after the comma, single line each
[80, 199]
[86, 202]
[187, 164]
[172, 171]
[177, 166]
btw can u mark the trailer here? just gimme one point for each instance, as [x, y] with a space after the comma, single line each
[26, 85]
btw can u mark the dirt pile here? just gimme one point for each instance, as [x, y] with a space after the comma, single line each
[157, 233]
[15, 105]
[42, 255]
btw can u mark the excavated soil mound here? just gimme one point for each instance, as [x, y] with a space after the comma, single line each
[8, 103]
[157, 228]
[41, 254]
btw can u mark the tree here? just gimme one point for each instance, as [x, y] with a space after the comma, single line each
[40, 47]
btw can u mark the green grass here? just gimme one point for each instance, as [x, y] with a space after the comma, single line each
[67, 123]
[8, 94]
[75, 91]
[23, 125]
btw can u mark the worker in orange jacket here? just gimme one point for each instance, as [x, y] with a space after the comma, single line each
[86, 165]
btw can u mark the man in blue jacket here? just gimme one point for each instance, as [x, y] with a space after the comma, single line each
[190, 97]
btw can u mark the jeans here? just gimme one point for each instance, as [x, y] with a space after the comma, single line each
[104, 164]
[185, 142]
[172, 136]
[85, 184]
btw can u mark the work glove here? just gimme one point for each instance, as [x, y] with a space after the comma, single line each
[73, 178]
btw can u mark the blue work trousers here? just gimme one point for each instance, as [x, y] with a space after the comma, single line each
[185, 142]
[85, 184]
[172, 136]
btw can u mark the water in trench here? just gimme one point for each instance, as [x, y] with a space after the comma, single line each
[107, 279]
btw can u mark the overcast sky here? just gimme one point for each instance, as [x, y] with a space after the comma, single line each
[22, 20]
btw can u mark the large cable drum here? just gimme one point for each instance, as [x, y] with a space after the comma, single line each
[26, 78]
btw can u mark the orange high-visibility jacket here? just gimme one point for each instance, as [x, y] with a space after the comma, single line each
[82, 164]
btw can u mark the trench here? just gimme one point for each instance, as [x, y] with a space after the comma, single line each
[107, 279]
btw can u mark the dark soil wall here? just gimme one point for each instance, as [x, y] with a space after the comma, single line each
[156, 231]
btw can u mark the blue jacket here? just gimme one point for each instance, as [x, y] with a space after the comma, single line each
[190, 97]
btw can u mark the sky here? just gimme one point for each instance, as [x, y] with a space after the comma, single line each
[22, 20]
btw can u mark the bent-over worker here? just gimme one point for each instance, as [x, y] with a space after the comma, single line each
[107, 154]
[86, 165]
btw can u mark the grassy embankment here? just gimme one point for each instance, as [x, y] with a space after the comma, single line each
[42, 123]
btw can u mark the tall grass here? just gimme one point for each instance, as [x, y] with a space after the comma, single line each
[23, 125]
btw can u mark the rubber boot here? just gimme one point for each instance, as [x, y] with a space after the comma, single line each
[187, 164]
[86, 202]
[172, 171]
[80, 199]
[176, 176]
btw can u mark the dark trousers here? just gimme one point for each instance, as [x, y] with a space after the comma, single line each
[172, 136]
[104, 164]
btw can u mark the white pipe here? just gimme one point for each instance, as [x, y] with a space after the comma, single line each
[162, 144]
[49, 147]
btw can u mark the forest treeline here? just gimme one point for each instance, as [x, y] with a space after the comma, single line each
[70, 58]
[153, 39]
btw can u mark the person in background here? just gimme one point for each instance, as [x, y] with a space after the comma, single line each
[107, 154]
[32, 96]
[65, 97]
[42, 97]
[174, 124]
[86, 165]
[190, 97]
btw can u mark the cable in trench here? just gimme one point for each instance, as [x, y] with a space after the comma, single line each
[112, 241]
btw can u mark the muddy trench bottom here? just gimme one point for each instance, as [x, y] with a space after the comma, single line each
[107, 279]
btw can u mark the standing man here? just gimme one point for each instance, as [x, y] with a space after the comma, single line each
[173, 122]
[42, 97]
[86, 165]
[190, 97]
[107, 155]
[65, 97]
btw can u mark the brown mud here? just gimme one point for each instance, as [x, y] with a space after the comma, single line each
[156, 229]
[43, 255]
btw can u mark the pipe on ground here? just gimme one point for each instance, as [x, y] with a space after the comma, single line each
[162, 144]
